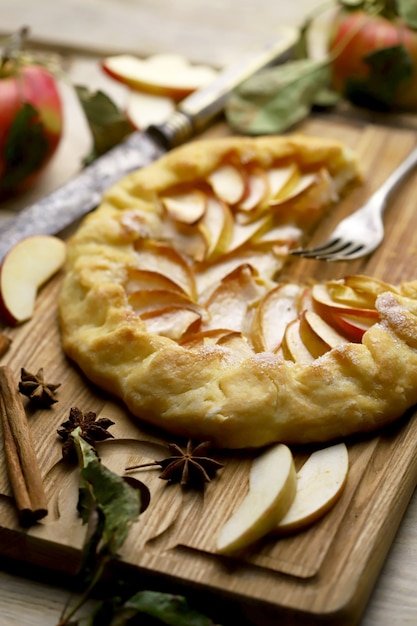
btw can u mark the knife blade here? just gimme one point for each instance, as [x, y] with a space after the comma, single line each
[80, 195]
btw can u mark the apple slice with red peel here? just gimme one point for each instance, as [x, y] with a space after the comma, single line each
[354, 327]
[26, 267]
[275, 311]
[162, 74]
[144, 109]
[327, 298]
[293, 346]
[172, 322]
[156, 256]
[272, 487]
[316, 332]
[228, 183]
[320, 483]
[187, 207]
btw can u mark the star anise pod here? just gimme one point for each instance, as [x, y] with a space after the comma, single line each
[36, 389]
[190, 467]
[92, 430]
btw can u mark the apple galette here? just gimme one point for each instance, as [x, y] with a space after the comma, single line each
[171, 302]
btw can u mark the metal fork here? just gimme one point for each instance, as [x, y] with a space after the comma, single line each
[362, 232]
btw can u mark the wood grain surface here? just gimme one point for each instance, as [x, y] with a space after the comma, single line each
[326, 572]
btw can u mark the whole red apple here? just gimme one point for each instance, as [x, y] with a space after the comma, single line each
[31, 122]
[374, 60]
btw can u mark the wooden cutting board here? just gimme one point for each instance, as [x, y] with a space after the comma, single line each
[324, 574]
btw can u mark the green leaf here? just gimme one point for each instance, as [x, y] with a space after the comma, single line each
[277, 98]
[117, 502]
[108, 125]
[407, 9]
[170, 609]
[389, 67]
[26, 148]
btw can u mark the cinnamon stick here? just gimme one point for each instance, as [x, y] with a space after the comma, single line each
[22, 464]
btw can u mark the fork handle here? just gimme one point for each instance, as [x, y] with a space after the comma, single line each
[397, 176]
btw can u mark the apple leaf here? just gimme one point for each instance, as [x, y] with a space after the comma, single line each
[277, 98]
[25, 148]
[108, 125]
[407, 9]
[388, 68]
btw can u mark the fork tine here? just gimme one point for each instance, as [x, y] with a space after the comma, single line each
[333, 246]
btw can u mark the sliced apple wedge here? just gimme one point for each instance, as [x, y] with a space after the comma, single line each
[138, 279]
[205, 337]
[156, 256]
[275, 311]
[228, 304]
[320, 483]
[149, 302]
[187, 207]
[26, 267]
[293, 189]
[162, 74]
[328, 297]
[279, 178]
[293, 346]
[228, 183]
[144, 109]
[216, 226]
[272, 486]
[257, 189]
[353, 326]
[368, 285]
[317, 334]
[173, 322]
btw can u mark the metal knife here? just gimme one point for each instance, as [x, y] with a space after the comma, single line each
[83, 193]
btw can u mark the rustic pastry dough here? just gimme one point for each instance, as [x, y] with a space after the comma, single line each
[217, 386]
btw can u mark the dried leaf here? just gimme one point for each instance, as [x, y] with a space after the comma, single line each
[108, 125]
[277, 98]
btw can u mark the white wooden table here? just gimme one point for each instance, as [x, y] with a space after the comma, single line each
[210, 31]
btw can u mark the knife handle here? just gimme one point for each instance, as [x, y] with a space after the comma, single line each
[197, 110]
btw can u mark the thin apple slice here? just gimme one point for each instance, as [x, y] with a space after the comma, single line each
[187, 207]
[354, 327]
[279, 178]
[293, 347]
[320, 483]
[275, 311]
[272, 486]
[229, 303]
[257, 189]
[243, 233]
[329, 296]
[317, 334]
[172, 322]
[138, 279]
[186, 238]
[228, 183]
[144, 109]
[148, 302]
[216, 226]
[368, 285]
[162, 74]
[294, 189]
[26, 267]
[205, 338]
[155, 256]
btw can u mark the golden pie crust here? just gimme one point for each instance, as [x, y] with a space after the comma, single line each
[210, 377]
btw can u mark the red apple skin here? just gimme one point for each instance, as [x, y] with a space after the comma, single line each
[360, 34]
[34, 85]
